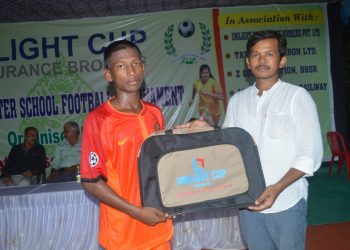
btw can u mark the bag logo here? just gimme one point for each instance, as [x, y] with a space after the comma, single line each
[201, 177]
[198, 165]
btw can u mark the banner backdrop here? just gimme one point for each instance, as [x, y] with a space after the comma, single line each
[52, 72]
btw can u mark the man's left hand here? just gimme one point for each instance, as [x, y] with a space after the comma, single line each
[266, 199]
[270, 194]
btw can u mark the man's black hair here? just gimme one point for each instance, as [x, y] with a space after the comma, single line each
[267, 34]
[27, 129]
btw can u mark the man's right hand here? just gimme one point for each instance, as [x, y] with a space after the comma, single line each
[194, 124]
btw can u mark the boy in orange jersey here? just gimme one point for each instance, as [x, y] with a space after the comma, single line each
[113, 134]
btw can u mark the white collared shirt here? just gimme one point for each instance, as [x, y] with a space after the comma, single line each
[284, 124]
[66, 155]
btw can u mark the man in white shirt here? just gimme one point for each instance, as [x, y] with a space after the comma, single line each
[282, 118]
[67, 156]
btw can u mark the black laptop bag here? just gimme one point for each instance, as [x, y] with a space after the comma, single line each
[182, 171]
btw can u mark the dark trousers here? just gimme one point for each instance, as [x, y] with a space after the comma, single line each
[63, 176]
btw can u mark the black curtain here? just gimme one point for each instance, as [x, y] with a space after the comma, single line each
[338, 40]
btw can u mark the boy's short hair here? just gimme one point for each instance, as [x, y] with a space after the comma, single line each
[267, 34]
[118, 45]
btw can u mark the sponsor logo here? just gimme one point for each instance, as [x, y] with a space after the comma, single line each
[201, 177]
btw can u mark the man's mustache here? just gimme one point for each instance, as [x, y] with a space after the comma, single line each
[262, 67]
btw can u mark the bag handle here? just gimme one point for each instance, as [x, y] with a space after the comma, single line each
[171, 131]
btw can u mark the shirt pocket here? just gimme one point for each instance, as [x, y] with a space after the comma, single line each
[277, 124]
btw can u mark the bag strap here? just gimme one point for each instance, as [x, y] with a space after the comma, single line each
[171, 131]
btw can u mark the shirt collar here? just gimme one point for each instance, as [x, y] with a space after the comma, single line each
[269, 91]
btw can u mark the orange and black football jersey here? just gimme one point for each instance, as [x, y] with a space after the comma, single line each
[111, 141]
